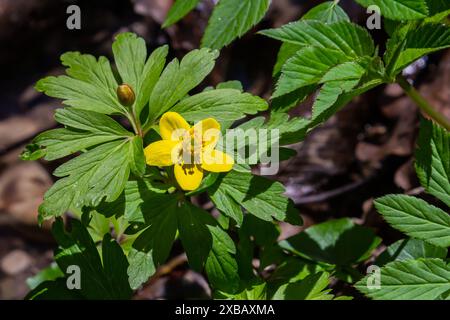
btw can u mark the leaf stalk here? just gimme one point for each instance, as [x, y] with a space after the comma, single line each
[423, 104]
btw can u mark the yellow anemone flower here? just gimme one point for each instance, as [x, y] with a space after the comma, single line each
[190, 149]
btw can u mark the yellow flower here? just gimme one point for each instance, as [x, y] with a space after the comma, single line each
[190, 149]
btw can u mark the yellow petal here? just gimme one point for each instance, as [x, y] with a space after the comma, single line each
[209, 130]
[172, 126]
[189, 176]
[217, 161]
[162, 153]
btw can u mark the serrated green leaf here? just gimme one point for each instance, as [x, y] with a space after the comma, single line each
[140, 200]
[226, 205]
[101, 278]
[433, 160]
[223, 104]
[410, 249]
[178, 78]
[328, 12]
[152, 247]
[159, 236]
[90, 84]
[399, 9]
[310, 288]
[339, 242]
[195, 236]
[259, 196]
[150, 76]
[98, 174]
[85, 129]
[142, 74]
[141, 267]
[179, 9]
[221, 267]
[414, 42]
[305, 68]
[90, 121]
[343, 36]
[130, 54]
[256, 291]
[416, 218]
[231, 84]
[422, 279]
[291, 269]
[287, 50]
[231, 19]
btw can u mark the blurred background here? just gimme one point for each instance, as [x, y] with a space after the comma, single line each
[361, 153]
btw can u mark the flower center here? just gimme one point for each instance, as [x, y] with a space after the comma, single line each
[192, 146]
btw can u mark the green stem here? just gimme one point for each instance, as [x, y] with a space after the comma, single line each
[423, 104]
[135, 124]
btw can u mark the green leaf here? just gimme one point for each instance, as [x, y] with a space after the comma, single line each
[307, 67]
[142, 74]
[150, 76]
[231, 84]
[159, 236]
[313, 287]
[101, 278]
[328, 12]
[221, 267]
[178, 78]
[263, 233]
[252, 292]
[179, 9]
[287, 50]
[291, 269]
[231, 19]
[136, 156]
[226, 204]
[140, 200]
[85, 129]
[399, 9]
[416, 218]
[90, 84]
[438, 10]
[50, 273]
[90, 121]
[130, 54]
[223, 104]
[433, 160]
[339, 242]
[259, 196]
[141, 267]
[53, 290]
[410, 249]
[415, 43]
[422, 279]
[152, 247]
[115, 266]
[32, 152]
[349, 39]
[98, 174]
[195, 236]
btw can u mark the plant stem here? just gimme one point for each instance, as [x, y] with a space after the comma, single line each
[423, 104]
[135, 124]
